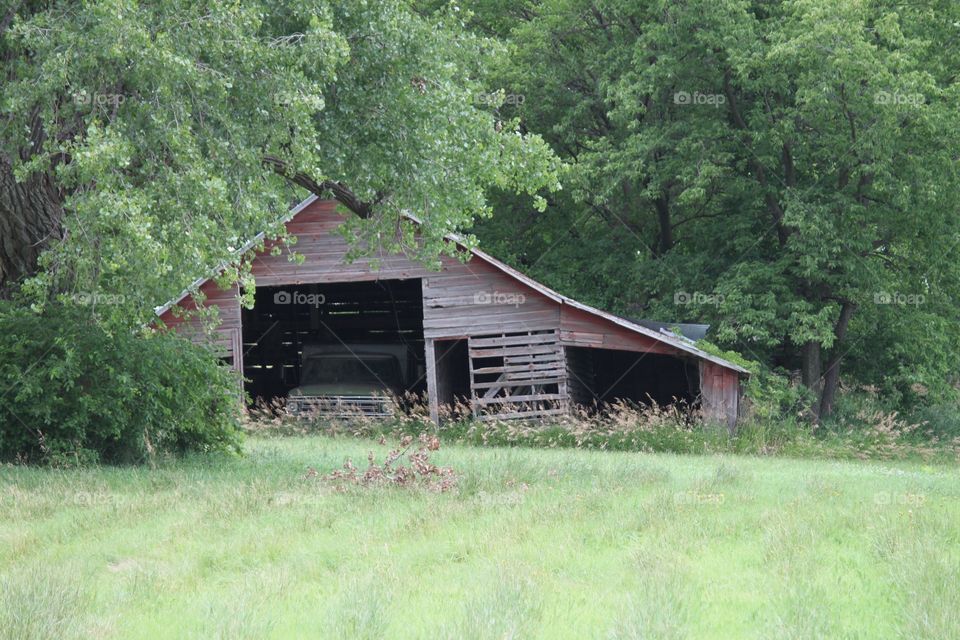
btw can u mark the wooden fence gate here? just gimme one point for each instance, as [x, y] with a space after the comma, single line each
[518, 375]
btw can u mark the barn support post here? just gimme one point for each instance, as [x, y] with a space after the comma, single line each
[236, 361]
[563, 387]
[236, 346]
[430, 354]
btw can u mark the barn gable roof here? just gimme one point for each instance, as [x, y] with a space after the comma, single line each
[667, 338]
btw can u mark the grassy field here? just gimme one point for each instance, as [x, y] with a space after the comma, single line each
[533, 543]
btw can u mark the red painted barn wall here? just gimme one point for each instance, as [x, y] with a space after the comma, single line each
[581, 329]
[227, 336]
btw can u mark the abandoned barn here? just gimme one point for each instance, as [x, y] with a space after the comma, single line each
[477, 331]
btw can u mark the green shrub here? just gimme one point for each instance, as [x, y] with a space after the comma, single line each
[73, 392]
[770, 395]
[940, 421]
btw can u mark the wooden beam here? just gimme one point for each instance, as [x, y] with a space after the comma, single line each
[499, 352]
[474, 408]
[503, 341]
[492, 388]
[563, 386]
[533, 366]
[535, 382]
[432, 398]
[556, 372]
[536, 397]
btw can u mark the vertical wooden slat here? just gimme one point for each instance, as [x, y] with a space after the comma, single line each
[236, 341]
[236, 359]
[432, 396]
[473, 390]
[562, 385]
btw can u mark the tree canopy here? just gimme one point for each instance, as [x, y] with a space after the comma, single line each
[144, 142]
[787, 171]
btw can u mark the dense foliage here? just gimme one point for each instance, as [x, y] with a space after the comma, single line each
[152, 139]
[786, 171]
[73, 393]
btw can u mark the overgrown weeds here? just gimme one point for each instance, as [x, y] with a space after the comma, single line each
[869, 433]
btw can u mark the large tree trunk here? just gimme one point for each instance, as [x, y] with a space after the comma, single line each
[665, 241]
[831, 376]
[810, 374]
[31, 216]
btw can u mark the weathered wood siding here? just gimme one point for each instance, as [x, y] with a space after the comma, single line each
[227, 337]
[472, 298]
[475, 299]
[581, 329]
[324, 250]
[720, 393]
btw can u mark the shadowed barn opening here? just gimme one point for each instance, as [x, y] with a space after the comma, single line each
[284, 319]
[477, 332]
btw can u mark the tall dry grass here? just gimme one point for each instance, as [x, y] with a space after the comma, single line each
[625, 426]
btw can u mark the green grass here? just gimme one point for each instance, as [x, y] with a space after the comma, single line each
[534, 543]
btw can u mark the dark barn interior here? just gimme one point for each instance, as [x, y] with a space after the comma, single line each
[285, 319]
[601, 376]
[453, 372]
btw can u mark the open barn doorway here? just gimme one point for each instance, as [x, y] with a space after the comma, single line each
[603, 376]
[453, 375]
[369, 333]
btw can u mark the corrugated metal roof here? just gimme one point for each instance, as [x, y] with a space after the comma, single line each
[674, 341]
